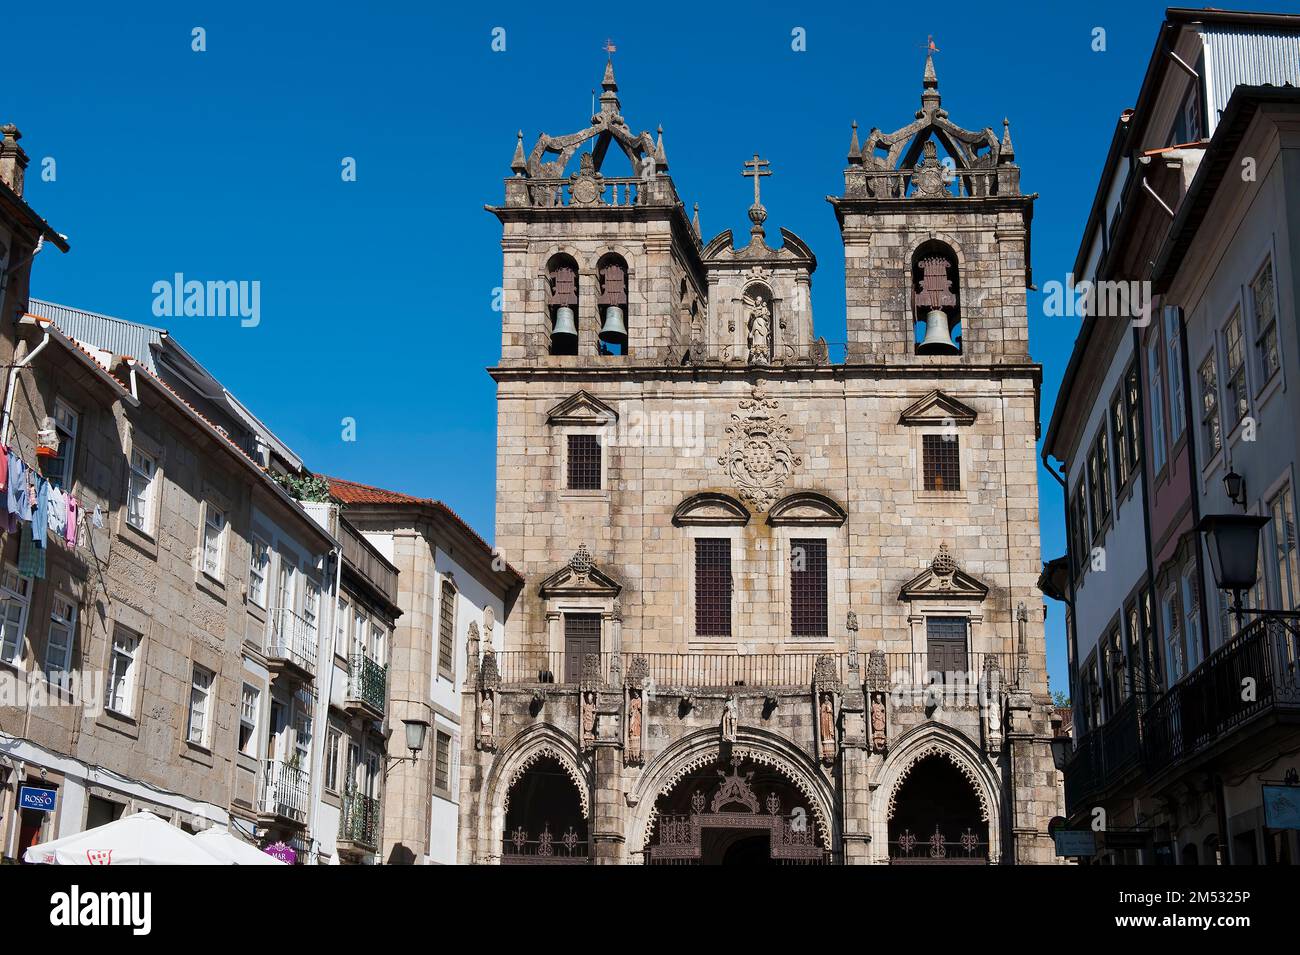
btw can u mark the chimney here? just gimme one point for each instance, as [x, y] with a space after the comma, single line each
[13, 160]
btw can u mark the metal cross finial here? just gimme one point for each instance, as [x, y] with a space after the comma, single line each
[756, 168]
[929, 44]
[609, 48]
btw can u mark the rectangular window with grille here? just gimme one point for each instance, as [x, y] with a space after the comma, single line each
[941, 462]
[584, 462]
[808, 588]
[447, 630]
[581, 637]
[712, 587]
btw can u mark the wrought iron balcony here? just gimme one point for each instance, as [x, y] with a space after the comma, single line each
[1104, 756]
[292, 643]
[359, 821]
[284, 792]
[1212, 702]
[367, 686]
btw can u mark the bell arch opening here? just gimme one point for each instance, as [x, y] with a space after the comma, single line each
[544, 822]
[562, 303]
[936, 816]
[936, 289]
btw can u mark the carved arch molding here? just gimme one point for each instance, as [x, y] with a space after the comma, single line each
[963, 767]
[571, 768]
[702, 760]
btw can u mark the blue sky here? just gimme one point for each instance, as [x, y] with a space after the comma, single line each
[376, 295]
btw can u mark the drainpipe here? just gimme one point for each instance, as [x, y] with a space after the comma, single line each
[19, 365]
[323, 710]
[130, 365]
[1147, 490]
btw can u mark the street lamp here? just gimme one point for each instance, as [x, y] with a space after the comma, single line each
[415, 730]
[1235, 486]
[1062, 747]
[1233, 543]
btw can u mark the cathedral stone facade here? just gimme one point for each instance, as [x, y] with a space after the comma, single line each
[778, 608]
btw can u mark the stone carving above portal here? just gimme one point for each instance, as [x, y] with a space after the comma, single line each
[580, 577]
[937, 409]
[759, 458]
[943, 578]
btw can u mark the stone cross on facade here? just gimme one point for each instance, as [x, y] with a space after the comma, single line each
[755, 169]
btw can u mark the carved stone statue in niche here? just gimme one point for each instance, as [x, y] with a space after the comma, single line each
[487, 701]
[729, 720]
[634, 705]
[878, 722]
[588, 716]
[826, 719]
[760, 330]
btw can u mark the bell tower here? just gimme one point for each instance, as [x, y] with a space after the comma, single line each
[602, 266]
[936, 248]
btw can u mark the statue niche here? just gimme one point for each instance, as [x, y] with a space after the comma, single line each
[758, 324]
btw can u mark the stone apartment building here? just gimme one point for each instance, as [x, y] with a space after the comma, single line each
[454, 592]
[1194, 207]
[182, 649]
[775, 608]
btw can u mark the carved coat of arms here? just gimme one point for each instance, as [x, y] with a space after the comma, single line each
[758, 457]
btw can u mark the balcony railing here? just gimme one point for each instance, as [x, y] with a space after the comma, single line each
[756, 670]
[284, 791]
[359, 822]
[519, 847]
[367, 683]
[293, 640]
[1104, 755]
[969, 848]
[1253, 673]
[612, 191]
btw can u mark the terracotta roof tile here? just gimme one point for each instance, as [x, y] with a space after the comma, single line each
[353, 492]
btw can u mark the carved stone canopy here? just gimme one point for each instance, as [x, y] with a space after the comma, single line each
[806, 508]
[943, 578]
[580, 577]
[581, 408]
[710, 509]
[937, 409]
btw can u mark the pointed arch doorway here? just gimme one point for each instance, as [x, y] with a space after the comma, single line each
[936, 817]
[735, 811]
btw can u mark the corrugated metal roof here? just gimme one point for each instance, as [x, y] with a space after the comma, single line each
[1243, 57]
[103, 331]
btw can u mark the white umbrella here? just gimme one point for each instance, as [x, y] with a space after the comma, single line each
[230, 848]
[139, 839]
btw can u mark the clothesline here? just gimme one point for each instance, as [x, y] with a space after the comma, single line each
[35, 508]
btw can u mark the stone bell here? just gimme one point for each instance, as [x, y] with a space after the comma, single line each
[614, 331]
[938, 337]
[565, 331]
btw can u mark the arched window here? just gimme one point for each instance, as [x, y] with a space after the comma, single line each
[936, 289]
[562, 304]
[611, 301]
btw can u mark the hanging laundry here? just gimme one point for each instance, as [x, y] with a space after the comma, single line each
[74, 511]
[4, 471]
[41, 516]
[98, 519]
[31, 559]
[58, 522]
[17, 489]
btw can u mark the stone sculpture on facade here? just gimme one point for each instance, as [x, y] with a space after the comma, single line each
[730, 720]
[758, 457]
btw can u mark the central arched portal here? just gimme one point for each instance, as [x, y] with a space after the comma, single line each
[734, 811]
[936, 817]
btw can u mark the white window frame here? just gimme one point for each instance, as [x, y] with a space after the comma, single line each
[1159, 449]
[15, 593]
[211, 511]
[333, 737]
[1174, 372]
[63, 617]
[311, 594]
[1265, 376]
[66, 422]
[202, 683]
[125, 646]
[259, 570]
[146, 470]
[250, 705]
